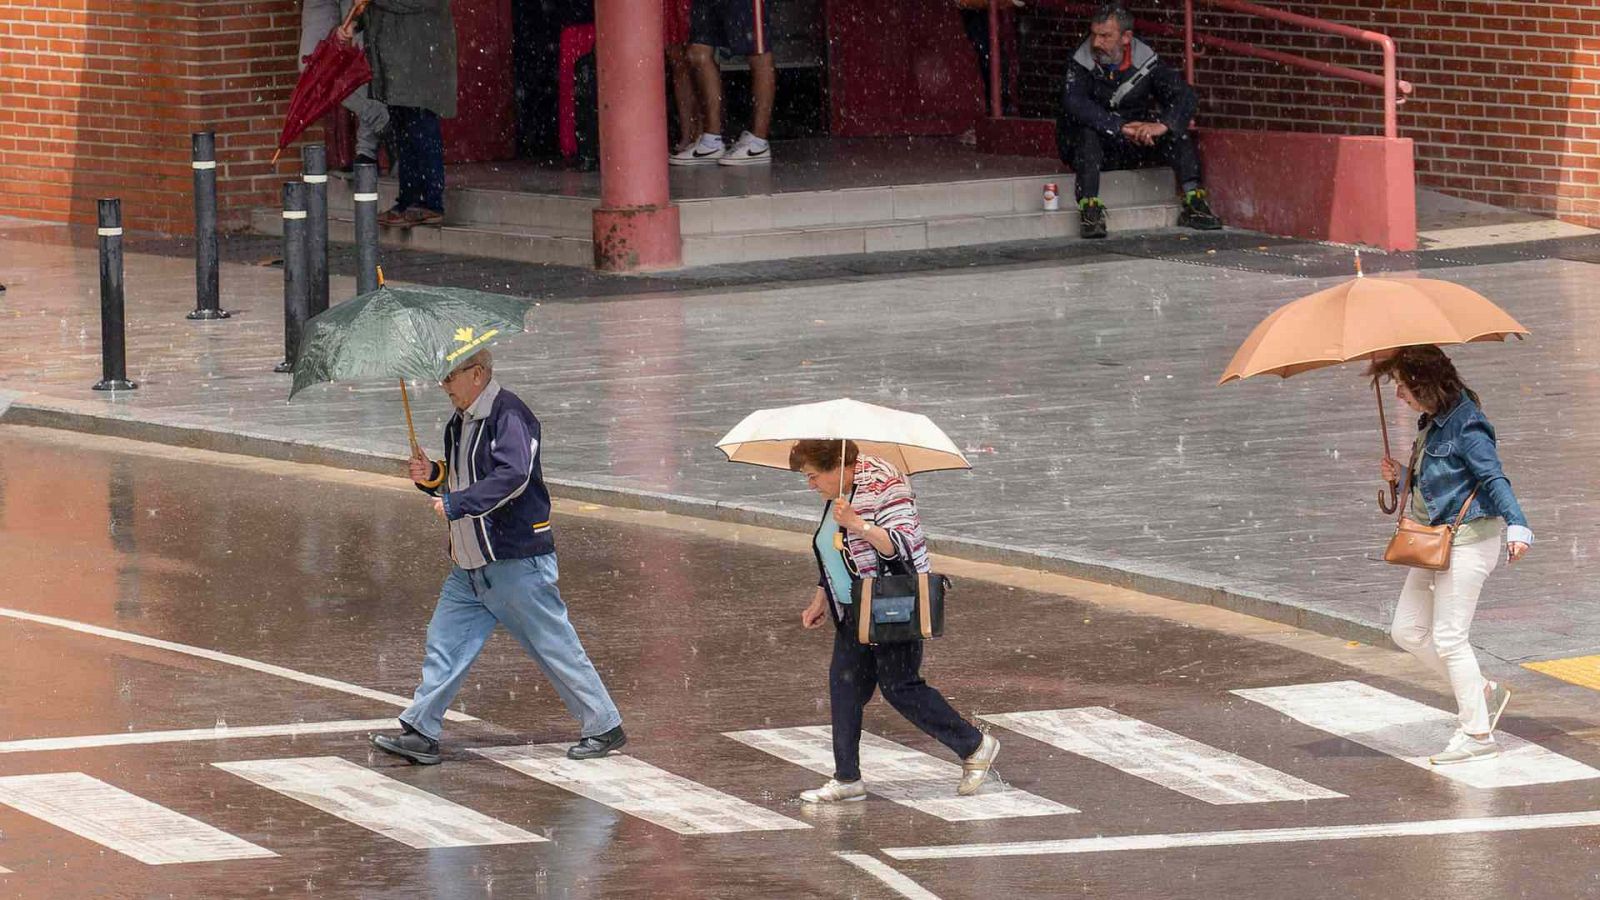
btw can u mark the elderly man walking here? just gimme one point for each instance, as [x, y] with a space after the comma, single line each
[491, 491]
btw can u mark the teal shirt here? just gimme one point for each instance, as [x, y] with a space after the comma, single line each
[833, 567]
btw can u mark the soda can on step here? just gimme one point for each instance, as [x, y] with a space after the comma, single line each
[1052, 197]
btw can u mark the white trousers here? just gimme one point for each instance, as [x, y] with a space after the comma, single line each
[1432, 619]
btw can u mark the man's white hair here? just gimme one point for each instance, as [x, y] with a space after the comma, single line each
[481, 358]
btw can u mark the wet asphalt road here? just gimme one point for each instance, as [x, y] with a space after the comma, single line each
[696, 636]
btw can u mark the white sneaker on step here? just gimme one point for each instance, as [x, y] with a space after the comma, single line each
[707, 151]
[836, 791]
[748, 151]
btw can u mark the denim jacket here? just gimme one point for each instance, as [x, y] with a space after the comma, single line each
[1458, 455]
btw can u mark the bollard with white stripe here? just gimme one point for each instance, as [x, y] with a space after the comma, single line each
[314, 172]
[366, 202]
[113, 339]
[207, 293]
[296, 287]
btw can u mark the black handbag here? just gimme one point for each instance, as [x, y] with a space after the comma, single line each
[898, 606]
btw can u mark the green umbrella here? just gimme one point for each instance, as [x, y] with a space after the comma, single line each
[403, 332]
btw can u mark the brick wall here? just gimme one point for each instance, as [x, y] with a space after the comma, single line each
[98, 98]
[1507, 102]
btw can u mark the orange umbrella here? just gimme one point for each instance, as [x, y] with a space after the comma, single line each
[1361, 319]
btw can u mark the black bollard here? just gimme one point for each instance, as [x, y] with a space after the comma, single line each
[113, 340]
[314, 172]
[296, 289]
[207, 297]
[366, 202]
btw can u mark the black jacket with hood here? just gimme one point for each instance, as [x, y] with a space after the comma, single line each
[1158, 94]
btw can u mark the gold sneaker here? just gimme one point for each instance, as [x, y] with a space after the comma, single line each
[835, 791]
[975, 768]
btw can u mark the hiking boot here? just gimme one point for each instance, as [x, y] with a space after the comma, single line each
[975, 768]
[1464, 748]
[1197, 212]
[835, 791]
[749, 151]
[409, 744]
[1497, 695]
[704, 152]
[598, 745]
[1091, 218]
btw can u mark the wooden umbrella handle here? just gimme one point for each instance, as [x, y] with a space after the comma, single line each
[411, 429]
[1390, 501]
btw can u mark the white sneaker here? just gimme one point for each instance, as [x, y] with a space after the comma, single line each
[975, 768]
[1464, 748]
[704, 152]
[748, 151]
[835, 791]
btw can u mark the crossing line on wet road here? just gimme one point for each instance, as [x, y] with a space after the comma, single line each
[1434, 827]
[113, 818]
[1412, 731]
[332, 684]
[902, 775]
[641, 790]
[378, 803]
[891, 877]
[222, 733]
[1155, 754]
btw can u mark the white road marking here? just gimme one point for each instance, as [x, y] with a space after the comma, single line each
[378, 803]
[1412, 731]
[1427, 828]
[641, 790]
[242, 662]
[226, 733]
[902, 775]
[114, 818]
[1156, 754]
[887, 874]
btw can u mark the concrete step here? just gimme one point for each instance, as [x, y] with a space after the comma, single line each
[513, 242]
[481, 207]
[891, 235]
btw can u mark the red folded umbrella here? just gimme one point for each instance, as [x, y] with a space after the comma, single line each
[333, 70]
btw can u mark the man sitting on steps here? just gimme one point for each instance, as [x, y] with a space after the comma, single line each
[1123, 108]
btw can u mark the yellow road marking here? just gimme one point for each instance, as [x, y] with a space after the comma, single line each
[1580, 670]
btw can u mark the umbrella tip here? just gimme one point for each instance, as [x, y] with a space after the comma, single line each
[1359, 273]
[380, 275]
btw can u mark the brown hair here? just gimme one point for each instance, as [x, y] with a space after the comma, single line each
[1427, 373]
[822, 455]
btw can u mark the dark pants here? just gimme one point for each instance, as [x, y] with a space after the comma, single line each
[419, 152]
[893, 668]
[1090, 152]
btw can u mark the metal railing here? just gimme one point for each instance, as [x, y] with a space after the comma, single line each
[1393, 87]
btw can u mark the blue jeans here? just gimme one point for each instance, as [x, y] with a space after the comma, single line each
[419, 151]
[520, 594]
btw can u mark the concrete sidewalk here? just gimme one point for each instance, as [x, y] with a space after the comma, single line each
[1079, 381]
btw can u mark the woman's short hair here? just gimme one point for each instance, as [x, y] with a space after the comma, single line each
[821, 455]
[1427, 373]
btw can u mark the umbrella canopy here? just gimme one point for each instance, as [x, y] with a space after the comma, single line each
[333, 70]
[1365, 316]
[909, 441]
[406, 332]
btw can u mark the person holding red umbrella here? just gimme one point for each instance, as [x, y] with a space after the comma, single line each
[317, 19]
[411, 45]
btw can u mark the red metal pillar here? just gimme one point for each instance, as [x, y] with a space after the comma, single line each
[636, 225]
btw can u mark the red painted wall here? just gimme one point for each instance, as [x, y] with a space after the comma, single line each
[900, 67]
[485, 125]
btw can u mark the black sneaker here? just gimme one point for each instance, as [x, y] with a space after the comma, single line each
[1091, 218]
[409, 744]
[599, 745]
[1197, 213]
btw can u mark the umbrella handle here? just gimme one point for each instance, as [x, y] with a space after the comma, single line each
[411, 430]
[1389, 501]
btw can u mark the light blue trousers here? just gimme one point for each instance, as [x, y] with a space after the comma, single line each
[520, 594]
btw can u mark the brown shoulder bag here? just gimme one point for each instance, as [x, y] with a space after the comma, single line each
[1417, 545]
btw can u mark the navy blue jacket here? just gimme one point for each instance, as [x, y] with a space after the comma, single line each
[507, 495]
[1160, 96]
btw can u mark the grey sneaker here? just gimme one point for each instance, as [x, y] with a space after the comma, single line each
[975, 768]
[1497, 695]
[1464, 748]
[835, 791]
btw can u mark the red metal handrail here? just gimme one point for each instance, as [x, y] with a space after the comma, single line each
[1391, 84]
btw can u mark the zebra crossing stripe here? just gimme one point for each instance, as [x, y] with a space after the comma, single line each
[114, 818]
[378, 803]
[239, 732]
[1412, 731]
[641, 790]
[1158, 755]
[887, 874]
[902, 775]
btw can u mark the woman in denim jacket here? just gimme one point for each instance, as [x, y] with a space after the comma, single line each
[1454, 456]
